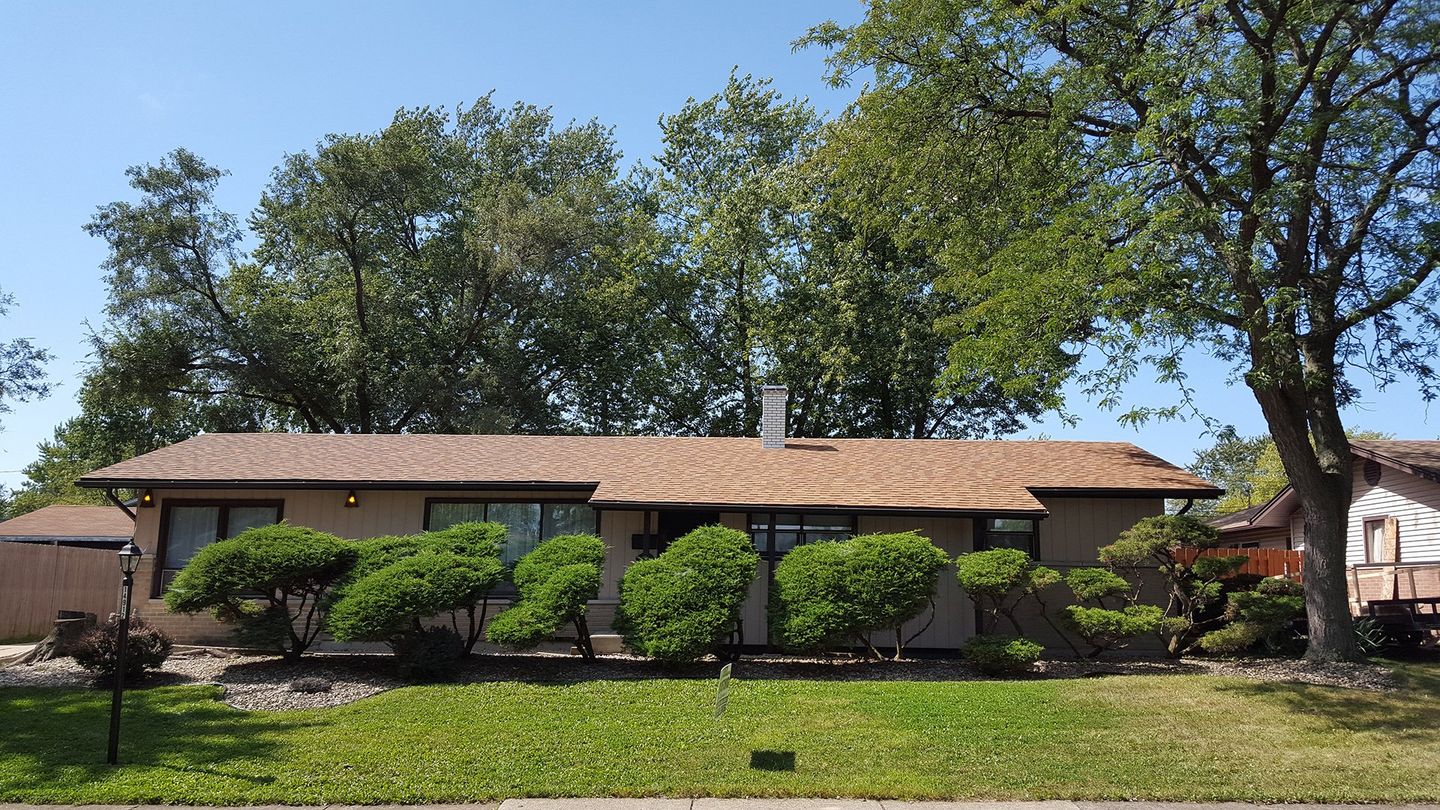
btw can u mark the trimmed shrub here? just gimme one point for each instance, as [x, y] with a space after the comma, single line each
[832, 591]
[270, 582]
[1193, 589]
[1106, 629]
[1097, 585]
[999, 581]
[556, 582]
[429, 654]
[1002, 655]
[810, 605]
[683, 604]
[147, 650]
[1260, 617]
[1114, 618]
[391, 602]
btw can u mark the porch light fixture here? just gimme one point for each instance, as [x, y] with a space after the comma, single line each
[147, 499]
[129, 561]
[352, 500]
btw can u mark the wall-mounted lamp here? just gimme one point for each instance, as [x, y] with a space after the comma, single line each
[352, 500]
[147, 499]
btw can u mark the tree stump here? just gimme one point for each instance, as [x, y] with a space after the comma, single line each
[70, 626]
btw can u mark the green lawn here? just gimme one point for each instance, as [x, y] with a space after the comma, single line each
[1159, 737]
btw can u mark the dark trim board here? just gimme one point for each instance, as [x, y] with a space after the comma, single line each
[251, 483]
[625, 506]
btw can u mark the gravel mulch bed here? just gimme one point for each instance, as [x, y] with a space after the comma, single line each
[321, 680]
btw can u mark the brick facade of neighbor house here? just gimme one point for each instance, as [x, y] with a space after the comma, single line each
[1078, 495]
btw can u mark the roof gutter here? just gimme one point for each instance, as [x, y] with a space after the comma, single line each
[115, 499]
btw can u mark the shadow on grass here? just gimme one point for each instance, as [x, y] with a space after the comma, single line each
[772, 760]
[1410, 715]
[54, 740]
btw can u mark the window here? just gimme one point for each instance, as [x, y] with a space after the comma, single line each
[796, 530]
[526, 524]
[188, 526]
[1375, 540]
[1017, 533]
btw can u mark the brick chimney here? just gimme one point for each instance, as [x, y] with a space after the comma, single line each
[772, 416]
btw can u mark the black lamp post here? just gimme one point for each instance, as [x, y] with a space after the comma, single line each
[129, 561]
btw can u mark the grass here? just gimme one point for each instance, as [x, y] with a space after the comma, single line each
[1162, 738]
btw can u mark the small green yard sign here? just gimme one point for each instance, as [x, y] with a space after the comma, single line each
[722, 692]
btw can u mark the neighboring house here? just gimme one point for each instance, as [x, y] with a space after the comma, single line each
[67, 525]
[1058, 500]
[1393, 535]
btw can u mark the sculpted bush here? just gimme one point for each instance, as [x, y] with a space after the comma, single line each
[1002, 655]
[1192, 589]
[842, 591]
[402, 581]
[556, 582]
[270, 582]
[684, 603]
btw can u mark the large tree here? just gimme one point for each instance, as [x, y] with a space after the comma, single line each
[456, 271]
[757, 277]
[1140, 177]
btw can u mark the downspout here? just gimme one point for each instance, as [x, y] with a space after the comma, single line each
[113, 498]
[1189, 502]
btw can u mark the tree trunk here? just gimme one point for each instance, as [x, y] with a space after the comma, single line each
[1326, 508]
[1299, 411]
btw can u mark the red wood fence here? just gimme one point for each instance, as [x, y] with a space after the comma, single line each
[1266, 562]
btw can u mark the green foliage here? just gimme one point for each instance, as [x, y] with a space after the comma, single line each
[430, 654]
[1000, 580]
[392, 600]
[1249, 469]
[147, 650]
[1151, 181]
[556, 582]
[1370, 636]
[398, 581]
[684, 603]
[1002, 655]
[1105, 629]
[288, 569]
[841, 591]
[411, 259]
[1258, 617]
[22, 366]
[1163, 543]
[1097, 584]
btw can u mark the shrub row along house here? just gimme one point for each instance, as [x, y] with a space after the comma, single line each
[1057, 500]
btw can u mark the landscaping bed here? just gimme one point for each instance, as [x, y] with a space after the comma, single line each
[266, 682]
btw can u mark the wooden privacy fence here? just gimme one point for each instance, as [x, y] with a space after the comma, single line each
[39, 579]
[1266, 562]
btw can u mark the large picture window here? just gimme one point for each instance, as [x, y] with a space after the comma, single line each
[526, 523]
[188, 526]
[1016, 533]
[793, 530]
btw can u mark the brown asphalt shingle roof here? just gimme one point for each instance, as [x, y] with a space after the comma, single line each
[70, 522]
[648, 470]
[1416, 456]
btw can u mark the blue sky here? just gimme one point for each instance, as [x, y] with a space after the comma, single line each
[90, 89]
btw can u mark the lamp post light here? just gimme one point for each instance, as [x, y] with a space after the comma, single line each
[129, 561]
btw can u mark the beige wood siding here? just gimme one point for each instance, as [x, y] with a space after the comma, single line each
[1078, 527]
[1413, 501]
